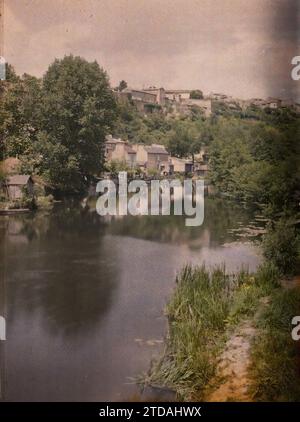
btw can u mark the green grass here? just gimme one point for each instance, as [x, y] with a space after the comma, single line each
[251, 289]
[275, 370]
[203, 307]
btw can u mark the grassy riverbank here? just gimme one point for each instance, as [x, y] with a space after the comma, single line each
[205, 307]
[274, 365]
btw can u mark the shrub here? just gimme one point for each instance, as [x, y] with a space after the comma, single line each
[274, 357]
[44, 201]
[280, 246]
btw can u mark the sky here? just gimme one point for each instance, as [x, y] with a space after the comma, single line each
[238, 47]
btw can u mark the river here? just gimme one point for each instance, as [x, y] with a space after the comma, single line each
[84, 296]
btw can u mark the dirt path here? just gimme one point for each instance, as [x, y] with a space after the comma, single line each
[232, 369]
[232, 378]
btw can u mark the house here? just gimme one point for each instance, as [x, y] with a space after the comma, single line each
[160, 94]
[258, 102]
[118, 150]
[202, 170]
[180, 165]
[154, 157]
[273, 103]
[201, 162]
[157, 157]
[18, 185]
[145, 101]
[178, 95]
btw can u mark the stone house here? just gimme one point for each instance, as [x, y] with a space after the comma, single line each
[202, 170]
[180, 165]
[19, 185]
[178, 95]
[118, 150]
[145, 101]
[160, 94]
[154, 157]
[273, 103]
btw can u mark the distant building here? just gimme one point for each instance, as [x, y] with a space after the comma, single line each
[154, 157]
[202, 170]
[273, 103]
[178, 94]
[160, 94]
[158, 158]
[178, 101]
[118, 150]
[144, 101]
[201, 163]
[19, 185]
[180, 165]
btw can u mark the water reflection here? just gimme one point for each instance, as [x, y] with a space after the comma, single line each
[219, 218]
[69, 284]
[84, 295]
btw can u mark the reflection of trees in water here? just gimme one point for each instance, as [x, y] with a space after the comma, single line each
[219, 218]
[63, 271]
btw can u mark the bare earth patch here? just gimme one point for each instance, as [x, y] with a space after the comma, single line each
[233, 365]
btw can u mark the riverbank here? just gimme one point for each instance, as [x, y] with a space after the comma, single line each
[8, 211]
[274, 366]
[80, 275]
[215, 322]
[25, 205]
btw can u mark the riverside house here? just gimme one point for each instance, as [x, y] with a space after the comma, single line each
[17, 185]
[152, 157]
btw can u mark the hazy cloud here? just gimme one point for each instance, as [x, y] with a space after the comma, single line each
[240, 47]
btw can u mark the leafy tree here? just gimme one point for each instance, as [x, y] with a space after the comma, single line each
[122, 85]
[18, 113]
[196, 95]
[184, 139]
[77, 111]
[281, 245]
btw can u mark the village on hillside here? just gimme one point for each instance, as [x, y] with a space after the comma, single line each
[182, 101]
[140, 159]
[154, 159]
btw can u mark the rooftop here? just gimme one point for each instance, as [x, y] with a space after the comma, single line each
[18, 179]
[156, 149]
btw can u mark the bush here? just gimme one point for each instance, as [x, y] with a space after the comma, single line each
[22, 203]
[274, 357]
[280, 246]
[44, 201]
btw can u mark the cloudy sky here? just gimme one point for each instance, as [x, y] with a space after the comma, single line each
[239, 47]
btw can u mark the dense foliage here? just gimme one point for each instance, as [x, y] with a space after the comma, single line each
[57, 125]
[257, 162]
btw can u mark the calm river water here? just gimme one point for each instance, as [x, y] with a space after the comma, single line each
[84, 297]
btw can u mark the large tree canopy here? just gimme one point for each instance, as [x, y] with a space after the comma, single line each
[57, 124]
[77, 111]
